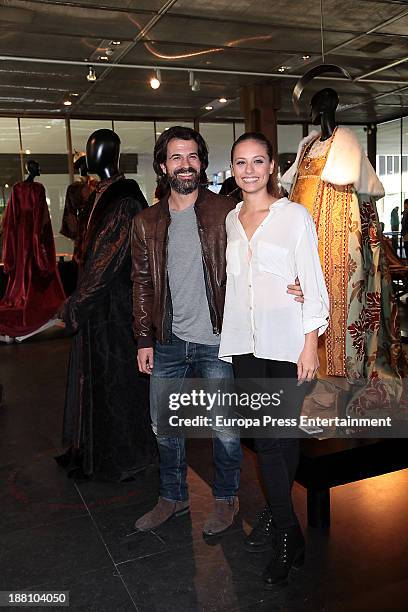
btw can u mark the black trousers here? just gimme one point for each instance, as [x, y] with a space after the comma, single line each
[278, 458]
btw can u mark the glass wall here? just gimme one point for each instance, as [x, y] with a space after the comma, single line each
[45, 140]
[10, 164]
[137, 144]
[81, 129]
[404, 160]
[219, 138]
[389, 164]
[289, 137]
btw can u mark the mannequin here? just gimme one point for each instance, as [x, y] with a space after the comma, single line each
[323, 111]
[106, 426]
[34, 291]
[102, 153]
[33, 169]
[333, 178]
[78, 205]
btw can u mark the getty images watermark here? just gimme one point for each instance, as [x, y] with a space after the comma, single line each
[279, 408]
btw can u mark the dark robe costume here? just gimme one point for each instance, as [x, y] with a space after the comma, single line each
[106, 419]
[34, 291]
[78, 206]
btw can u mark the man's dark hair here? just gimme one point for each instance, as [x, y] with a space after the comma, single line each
[160, 155]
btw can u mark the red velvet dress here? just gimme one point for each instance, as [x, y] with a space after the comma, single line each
[34, 291]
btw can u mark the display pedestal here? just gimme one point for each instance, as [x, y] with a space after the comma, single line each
[338, 461]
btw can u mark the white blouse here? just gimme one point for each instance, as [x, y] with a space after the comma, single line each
[260, 317]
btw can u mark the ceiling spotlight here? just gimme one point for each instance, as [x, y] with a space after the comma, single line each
[155, 81]
[115, 42]
[91, 76]
[222, 100]
[104, 58]
[208, 107]
[6, 185]
[305, 57]
[281, 69]
[194, 83]
[27, 152]
[47, 127]
[67, 102]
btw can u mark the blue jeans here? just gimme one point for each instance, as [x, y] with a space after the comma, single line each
[181, 360]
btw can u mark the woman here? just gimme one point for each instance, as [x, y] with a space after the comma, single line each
[267, 334]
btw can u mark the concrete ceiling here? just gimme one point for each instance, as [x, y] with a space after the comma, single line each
[251, 37]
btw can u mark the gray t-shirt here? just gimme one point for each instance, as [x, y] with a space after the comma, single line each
[191, 314]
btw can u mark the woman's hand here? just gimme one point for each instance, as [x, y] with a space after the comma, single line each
[308, 362]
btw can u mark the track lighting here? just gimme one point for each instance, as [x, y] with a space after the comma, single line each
[194, 83]
[91, 76]
[155, 81]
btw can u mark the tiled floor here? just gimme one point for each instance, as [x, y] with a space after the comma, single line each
[56, 534]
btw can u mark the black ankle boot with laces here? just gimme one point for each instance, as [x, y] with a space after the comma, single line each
[289, 553]
[262, 536]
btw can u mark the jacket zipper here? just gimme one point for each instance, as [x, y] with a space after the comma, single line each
[206, 281]
[168, 308]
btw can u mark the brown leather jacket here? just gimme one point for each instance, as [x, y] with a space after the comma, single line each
[152, 308]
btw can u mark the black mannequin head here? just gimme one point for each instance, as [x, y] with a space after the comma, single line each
[102, 153]
[33, 169]
[323, 111]
[80, 166]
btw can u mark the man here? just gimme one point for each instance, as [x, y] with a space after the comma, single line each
[178, 259]
[395, 227]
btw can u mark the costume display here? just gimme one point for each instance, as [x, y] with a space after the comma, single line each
[106, 419]
[34, 291]
[335, 181]
[78, 206]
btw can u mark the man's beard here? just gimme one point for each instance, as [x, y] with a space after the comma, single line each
[184, 186]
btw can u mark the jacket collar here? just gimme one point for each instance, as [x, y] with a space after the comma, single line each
[163, 204]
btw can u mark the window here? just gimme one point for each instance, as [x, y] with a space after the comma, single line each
[10, 165]
[219, 138]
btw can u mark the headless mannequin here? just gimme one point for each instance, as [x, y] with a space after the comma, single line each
[102, 153]
[80, 167]
[323, 111]
[33, 169]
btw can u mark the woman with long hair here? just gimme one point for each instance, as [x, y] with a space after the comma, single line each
[270, 241]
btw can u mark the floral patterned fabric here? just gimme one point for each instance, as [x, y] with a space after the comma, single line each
[362, 343]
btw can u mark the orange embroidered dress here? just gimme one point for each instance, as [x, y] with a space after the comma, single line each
[337, 184]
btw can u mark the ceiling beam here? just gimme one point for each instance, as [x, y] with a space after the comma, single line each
[275, 75]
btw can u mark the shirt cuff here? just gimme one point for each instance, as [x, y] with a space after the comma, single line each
[317, 323]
